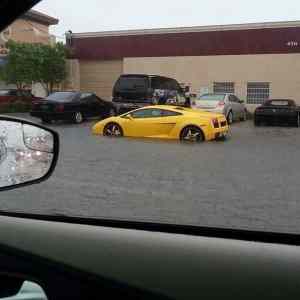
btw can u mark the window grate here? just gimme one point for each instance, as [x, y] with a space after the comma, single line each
[258, 92]
[224, 87]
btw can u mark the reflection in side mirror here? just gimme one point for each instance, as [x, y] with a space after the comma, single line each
[28, 153]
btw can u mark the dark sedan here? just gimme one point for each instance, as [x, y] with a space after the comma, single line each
[72, 106]
[278, 112]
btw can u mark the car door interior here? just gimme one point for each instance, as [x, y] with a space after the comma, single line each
[76, 258]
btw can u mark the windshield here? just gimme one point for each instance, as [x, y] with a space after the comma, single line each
[279, 103]
[217, 164]
[61, 97]
[212, 97]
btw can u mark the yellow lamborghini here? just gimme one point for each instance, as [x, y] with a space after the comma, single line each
[167, 122]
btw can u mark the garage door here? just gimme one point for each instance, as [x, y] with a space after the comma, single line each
[100, 76]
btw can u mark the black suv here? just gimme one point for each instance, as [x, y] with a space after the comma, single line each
[132, 91]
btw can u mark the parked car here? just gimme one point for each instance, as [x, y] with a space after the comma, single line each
[278, 111]
[72, 106]
[228, 104]
[165, 121]
[15, 95]
[132, 91]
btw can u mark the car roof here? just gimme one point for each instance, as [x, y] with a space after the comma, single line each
[146, 75]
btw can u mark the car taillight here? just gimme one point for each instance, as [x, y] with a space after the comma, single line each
[221, 103]
[60, 108]
[215, 123]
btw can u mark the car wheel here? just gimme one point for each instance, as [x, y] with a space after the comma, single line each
[192, 134]
[230, 118]
[46, 120]
[113, 130]
[78, 117]
[244, 116]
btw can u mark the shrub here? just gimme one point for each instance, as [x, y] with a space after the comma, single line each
[15, 107]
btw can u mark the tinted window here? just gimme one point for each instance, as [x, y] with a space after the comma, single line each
[232, 98]
[175, 85]
[169, 113]
[85, 95]
[132, 83]
[62, 96]
[156, 83]
[212, 97]
[147, 113]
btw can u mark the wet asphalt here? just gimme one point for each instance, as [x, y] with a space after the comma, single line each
[250, 181]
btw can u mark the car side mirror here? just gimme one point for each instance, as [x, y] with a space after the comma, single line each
[28, 153]
[129, 117]
[242, 101]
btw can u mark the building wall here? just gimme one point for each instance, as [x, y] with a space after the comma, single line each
[73, 75]
[281, 70]
[100, 76]
[23, 31]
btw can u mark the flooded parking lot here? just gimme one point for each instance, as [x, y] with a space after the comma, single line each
[250, 181]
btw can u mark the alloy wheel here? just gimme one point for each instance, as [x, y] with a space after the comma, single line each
[192, 134]
[78, 117]
[113, 130]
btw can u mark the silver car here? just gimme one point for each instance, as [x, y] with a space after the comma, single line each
[228, 104]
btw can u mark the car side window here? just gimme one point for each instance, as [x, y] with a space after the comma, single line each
[232, 98]
[169, 113]
[97, 100]
[147, 113]
[237, 100]
[85, 95]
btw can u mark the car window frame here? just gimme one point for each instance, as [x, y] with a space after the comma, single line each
[145, 117]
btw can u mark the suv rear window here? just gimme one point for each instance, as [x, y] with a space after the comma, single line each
[132, 83]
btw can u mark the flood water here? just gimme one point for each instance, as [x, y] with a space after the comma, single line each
[250, 181]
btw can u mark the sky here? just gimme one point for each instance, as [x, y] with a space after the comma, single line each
[97, 15]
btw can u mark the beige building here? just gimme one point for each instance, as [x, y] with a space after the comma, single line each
[32, 27]
[255, 61]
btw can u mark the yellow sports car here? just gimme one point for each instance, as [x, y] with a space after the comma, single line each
[167, 122]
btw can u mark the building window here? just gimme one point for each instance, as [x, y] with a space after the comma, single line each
[224, 87]
[258, 92]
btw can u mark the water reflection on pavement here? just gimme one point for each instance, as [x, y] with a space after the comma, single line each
[250, 181]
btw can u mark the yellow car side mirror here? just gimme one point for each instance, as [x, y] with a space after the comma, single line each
[129, 116]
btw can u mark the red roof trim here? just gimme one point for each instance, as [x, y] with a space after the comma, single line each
[233, 42]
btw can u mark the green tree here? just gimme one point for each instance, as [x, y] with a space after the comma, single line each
[51, 63]
[35, 63]
[19, 65]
